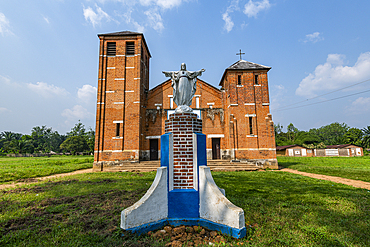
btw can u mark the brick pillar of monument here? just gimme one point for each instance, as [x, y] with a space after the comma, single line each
[182, 126]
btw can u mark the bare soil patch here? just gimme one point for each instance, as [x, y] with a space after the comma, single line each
[35, 180]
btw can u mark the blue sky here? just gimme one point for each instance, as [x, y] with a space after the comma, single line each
[49, 54]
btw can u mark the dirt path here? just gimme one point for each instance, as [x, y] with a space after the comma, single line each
[351, 182]
[34, 180]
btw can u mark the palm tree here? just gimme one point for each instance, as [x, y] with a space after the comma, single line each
[366, 137]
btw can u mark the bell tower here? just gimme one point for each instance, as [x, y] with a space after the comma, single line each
[123, 84]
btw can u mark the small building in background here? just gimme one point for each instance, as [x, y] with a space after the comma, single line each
[293, 150]
[344, 150]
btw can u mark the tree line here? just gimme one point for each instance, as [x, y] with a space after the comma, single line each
[331, 134]
[45, 140]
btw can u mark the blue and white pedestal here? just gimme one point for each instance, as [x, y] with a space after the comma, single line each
[183, 191]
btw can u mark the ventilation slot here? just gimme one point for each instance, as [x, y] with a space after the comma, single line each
[111, 48]
[130, 48]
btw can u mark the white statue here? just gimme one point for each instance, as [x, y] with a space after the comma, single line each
[184, 85]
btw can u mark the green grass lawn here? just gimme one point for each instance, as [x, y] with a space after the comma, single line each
[19, 169]
[357, 168]
[281, 209]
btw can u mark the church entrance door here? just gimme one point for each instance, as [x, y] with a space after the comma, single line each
[153, 149]
[216, 149]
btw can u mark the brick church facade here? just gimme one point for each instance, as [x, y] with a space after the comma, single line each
[130, 117]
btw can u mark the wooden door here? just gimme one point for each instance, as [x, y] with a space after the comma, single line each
[216, 148]
[153, 149]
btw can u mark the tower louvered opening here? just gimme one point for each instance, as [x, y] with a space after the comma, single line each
[111, 48]
[130, 48]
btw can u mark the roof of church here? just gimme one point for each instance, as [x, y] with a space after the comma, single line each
[122, 33]
[126, 33]
[244, 65]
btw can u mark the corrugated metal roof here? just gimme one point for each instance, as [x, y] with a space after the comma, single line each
[242, 64]
[279, 148]
[122, 33]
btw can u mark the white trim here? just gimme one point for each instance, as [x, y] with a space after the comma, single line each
[109, 91]
[234, 104]
[100, 103]
[117, 151]
[117, 137]
[118, 121]
[153, 137]
[249, 103]
[170, 96]
[137, 78]
[129, 91]
[101, 79]
[111, 67]
[197, 95]
[250, 115]
[120, 55]
[136, 102]
[257, 85]
[265, 103]
[130, 55]
[119, 103]
[119, 79]
[157, 104]
[215, 136]
[130, 67]
[195, 162]
[252, 136]
[210, 103]
[239, 86]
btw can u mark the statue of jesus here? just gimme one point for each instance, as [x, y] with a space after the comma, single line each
[184, 85]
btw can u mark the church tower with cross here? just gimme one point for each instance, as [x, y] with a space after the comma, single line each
[131, 117]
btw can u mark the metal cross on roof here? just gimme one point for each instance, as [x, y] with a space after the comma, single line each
[240, 54]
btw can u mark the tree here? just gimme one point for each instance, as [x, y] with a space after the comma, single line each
[331, 134]
[366, 137]
[74, 144]
[292, 132]
[353, 136]
[79, 131]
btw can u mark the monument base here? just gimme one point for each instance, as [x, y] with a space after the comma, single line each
[216, 212]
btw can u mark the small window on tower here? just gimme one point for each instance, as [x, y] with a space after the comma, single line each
[239, 80]
[130, 48]
[256, 79]
[111, 48]
[117, 129]
[250, 125]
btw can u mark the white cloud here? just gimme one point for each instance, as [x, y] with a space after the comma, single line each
[4, 25]
[359, 106]
[155, 19]
[251, 9]
[3, 109]
[314, 37]
[229, 24]
[46, 90]
[46, 19]
[77, 112]
[165, 4]
[127, 17]
[95, 17]
[333, 75]
[87, 94]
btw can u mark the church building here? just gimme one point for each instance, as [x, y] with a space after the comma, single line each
[130, 117]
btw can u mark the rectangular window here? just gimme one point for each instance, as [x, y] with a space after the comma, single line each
[197, 102]
[256, 79]
[118, 125]
[111, 48]
[171, 103]
[251, 125]
[130, 48]
[239, 80]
